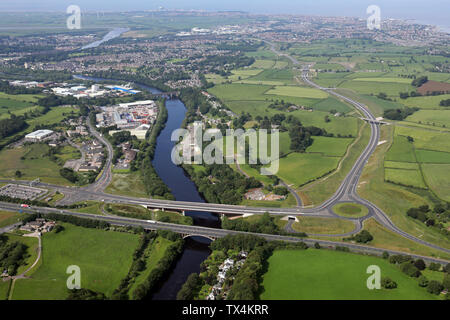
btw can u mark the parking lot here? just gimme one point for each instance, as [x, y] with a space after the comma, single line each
[21, 192]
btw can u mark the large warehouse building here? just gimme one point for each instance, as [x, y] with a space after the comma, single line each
[38, 135]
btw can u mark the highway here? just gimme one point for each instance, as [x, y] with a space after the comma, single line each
[209, 232]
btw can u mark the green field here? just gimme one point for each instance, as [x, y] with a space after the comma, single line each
[104, 258]
[410, 178]
[439, 118]
[401, 150]
[301, 168]
[426, 102]
[325, 274]
[129, 184]
[437, 177]
[383, 79]
[8, 218]
[350, 210]
[426, 139]
[32, 162]
[401, 165]
[299, 92]
[333, 147]
[326, 226]
[427, 156]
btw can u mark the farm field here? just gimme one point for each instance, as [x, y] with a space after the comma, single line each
[439, 118]
[371, 87]
[324, 274]
[437, 177]
[113, 249]
[333, 147]
[33, 162]
[427, 156]
[401, 150]
[410, 178]
[8, 218]
[301, 168]
[401, 165]
[426, 139]
[299, 92]
[425, 102]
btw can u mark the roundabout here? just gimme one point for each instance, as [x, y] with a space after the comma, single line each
[350, 210]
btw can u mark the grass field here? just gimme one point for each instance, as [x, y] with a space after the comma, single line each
[350, 210]
[4, 287]
[440, 118]
[333, 147]
[425, 102]
[129, 184]
[32, 162]
[437, 177]
[426, 139]
[300, 92]
[384, 79]
[325, 274]
[104, 258]
[410, 178]
[427, 156]
[312, 225]
[401, 150]
[8, 218]
[301, 168]
[401, 165]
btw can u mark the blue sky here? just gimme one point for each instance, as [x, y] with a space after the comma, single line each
[430, 11]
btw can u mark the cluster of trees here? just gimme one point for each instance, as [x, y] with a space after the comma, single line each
[406, 95]
[137, 266]
[399, 114]
[300, 137]
[85, 294]
[81, 222]
[445, 103]
[438, 217]
[146, 289]
[221, 184]
[9, 89]
[264, 224]
[414, 268]
[53, 100]
[12, 255]
[363, 237]
[419, 81]
[11, 126]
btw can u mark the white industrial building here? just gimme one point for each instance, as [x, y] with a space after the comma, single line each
[38, 135]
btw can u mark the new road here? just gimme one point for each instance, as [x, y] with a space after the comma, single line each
[207, 232]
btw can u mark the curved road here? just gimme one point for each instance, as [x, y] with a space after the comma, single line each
[210, 232]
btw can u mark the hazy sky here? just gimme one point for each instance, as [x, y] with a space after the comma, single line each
[430, 11]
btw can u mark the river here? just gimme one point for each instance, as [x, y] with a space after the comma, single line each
[196, 249]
